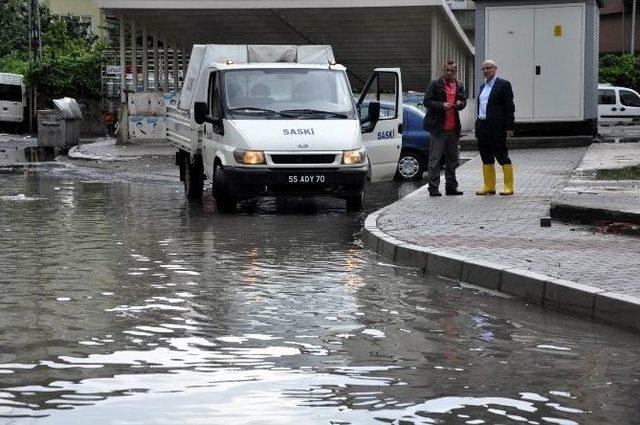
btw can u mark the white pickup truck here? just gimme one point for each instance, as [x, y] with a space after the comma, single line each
[274, 120]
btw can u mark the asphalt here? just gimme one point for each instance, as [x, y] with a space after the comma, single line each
[497, 242]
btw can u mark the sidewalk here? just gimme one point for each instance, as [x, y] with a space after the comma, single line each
[497, 242]
[587, 200]
[106, 149]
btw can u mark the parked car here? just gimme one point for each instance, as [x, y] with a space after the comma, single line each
[617, 104]
[414, 156]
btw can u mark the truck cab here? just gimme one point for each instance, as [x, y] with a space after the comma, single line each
[263, 126]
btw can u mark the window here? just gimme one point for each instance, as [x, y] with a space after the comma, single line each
[382, 88]
[11, 92]
[606, 97]
[629, 98]
[287, 89]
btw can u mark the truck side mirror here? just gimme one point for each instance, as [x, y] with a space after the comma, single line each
[374, 113]
[373, 116]
[200, 111]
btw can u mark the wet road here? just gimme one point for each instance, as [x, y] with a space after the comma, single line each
[122, 304]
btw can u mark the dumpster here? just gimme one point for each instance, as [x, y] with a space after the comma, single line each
[60, 127]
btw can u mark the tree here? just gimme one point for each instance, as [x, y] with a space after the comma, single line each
[622, 70]
[71, 54]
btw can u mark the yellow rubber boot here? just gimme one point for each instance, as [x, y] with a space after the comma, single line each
[507, 169]
[489, 174]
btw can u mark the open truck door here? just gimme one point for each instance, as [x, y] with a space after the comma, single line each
[380, 109]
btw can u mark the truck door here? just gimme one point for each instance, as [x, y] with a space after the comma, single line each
[629, 104]
[213, 134]
[382, 139]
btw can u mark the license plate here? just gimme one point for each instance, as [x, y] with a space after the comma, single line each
[307, 179]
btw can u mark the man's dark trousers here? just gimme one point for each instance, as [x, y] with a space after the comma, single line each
[445, 143]
[492, 143]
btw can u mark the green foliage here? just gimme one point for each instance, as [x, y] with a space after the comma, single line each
[620, 70]
[626, 173]
[14, 63]
[71, 61]
[14, 26]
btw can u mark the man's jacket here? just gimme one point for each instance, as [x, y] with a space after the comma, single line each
[500, 107]
[434, 100]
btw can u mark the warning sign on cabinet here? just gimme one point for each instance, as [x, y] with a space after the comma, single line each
[557, 30]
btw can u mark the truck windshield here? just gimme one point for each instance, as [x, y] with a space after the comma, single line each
[287, 93]
[10, 92]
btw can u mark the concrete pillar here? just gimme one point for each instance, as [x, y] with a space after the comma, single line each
[165, 49]
[134, 56]
[175, 65]
[145, 59]
[434, 45]
[123, 59]
[156, 63]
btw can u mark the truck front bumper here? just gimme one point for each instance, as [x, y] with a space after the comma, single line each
[246, 182]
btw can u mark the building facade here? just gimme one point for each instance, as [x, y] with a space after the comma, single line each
[615, 27]
[87, 11]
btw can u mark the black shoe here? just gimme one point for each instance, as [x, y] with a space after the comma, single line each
[434, 192]
[453, 192]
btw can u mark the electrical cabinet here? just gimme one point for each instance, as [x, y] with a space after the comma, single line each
[541, 49]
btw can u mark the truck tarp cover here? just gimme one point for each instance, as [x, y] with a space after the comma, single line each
[204, 55]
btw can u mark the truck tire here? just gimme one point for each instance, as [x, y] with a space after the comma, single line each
[225, 202]
[410, 166]
[355, 203]
[193, 178]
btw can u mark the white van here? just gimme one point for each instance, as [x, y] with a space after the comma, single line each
[12, 98]
[617, 104]
[280, 121]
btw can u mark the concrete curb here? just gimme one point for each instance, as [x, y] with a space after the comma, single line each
[561, 295]
[589, 215]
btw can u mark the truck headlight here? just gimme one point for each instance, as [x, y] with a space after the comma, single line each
[353, 157]
[249, 157]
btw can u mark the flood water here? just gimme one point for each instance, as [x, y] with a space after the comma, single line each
[120, 303]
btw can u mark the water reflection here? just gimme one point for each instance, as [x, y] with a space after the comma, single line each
[120, 301]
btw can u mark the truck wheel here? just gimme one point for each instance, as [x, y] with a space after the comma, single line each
[410, 166]
[193, 179]
[355, 203]
[225, 202]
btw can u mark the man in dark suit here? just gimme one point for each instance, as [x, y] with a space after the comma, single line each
[443, 99]
[493, 126]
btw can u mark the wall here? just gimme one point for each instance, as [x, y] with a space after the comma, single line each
[615, 32]
[80, 8]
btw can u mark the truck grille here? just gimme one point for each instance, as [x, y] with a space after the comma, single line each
[304, 159]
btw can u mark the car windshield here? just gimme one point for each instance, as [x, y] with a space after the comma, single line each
[287, 93]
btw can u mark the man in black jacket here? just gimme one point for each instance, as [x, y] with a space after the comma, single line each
[443, 99]
[494, 124]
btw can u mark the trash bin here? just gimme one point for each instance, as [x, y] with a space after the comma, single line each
[60, 127]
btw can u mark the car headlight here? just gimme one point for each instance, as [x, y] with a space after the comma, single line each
[353, 157]
[249, 157]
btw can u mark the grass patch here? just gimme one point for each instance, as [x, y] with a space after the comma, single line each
[626, 173]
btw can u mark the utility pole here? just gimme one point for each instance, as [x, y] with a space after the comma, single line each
[633, 28]
[35, 51]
